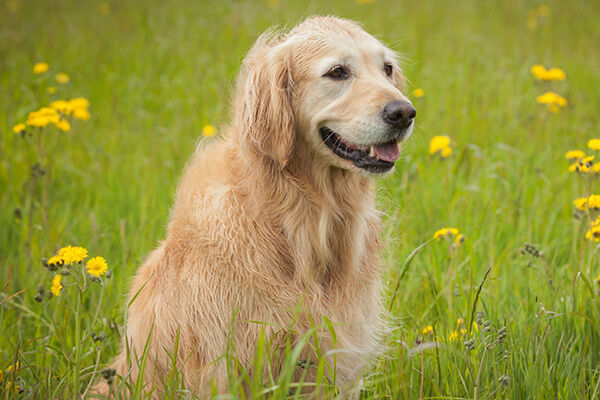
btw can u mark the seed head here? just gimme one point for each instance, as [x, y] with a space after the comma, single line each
[469, 344]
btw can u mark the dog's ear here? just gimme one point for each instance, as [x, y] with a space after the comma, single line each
[263, 101]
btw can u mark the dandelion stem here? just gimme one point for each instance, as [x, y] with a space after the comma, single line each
[98, 352]
[422, 378]
[77, 344]
[476, 388]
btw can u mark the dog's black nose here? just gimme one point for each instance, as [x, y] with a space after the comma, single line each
[399, 114]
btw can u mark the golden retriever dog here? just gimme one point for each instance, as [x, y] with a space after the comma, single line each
[276, 221]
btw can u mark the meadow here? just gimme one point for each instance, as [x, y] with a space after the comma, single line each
[510, 310]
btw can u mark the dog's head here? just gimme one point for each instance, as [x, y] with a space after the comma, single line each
[329, 86]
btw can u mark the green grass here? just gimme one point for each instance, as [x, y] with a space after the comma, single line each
[157, 72]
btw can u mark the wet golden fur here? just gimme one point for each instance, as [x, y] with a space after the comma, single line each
[268, 225]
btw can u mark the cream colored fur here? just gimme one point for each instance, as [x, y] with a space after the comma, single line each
[269, 225]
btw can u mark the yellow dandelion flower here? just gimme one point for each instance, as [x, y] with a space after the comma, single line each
[580, 167]
[440, 233]
[446, 151]
[438, 143]
[56, 286]
[580, 203]
[554, 109]
[552, 74]
[547, 98]
[454, 336]
[81, 113]
[42, 117]
[62, 106]
[40, 68]
[208, 130]
[96, 266]
[62, 78]
[73, 254]
[594, 144]
[576, 154]
[460, 239]
[551, 98]
[55, 260]
[418, 93]
[539, 71]
[460, 322]
[18, 128]
[574, 167]
[47, 111]
[12, 386]
[588, 161]
[14, 367]
[593, 234]
[52, 90]
[594, 202]
[555, 74]
[428, 330]
[463, 332]
[475, 327]
[595, 169]
[79, 102]
[38, 122]
[63, 125]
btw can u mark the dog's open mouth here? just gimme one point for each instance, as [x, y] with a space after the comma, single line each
[376, 158]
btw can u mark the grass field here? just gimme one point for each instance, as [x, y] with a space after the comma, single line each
[155, 73]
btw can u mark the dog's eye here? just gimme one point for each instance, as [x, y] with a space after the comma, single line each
[338, 73]
[388, 69]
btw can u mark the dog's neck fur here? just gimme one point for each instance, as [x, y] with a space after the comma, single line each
[334, 223]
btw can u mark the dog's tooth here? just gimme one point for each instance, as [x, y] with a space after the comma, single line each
[372, 152]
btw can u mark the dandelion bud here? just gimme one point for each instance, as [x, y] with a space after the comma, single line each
[108, 274]
[41, 289]
[479, 318]
[501, 334]
[486, 326]
[108, 374]
[39, 297]
[305, 363]
[504, 380]
[469, 344]
[65, 271]
[45, 262]
[49, 295]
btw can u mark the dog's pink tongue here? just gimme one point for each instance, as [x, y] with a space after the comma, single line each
[387, 152]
